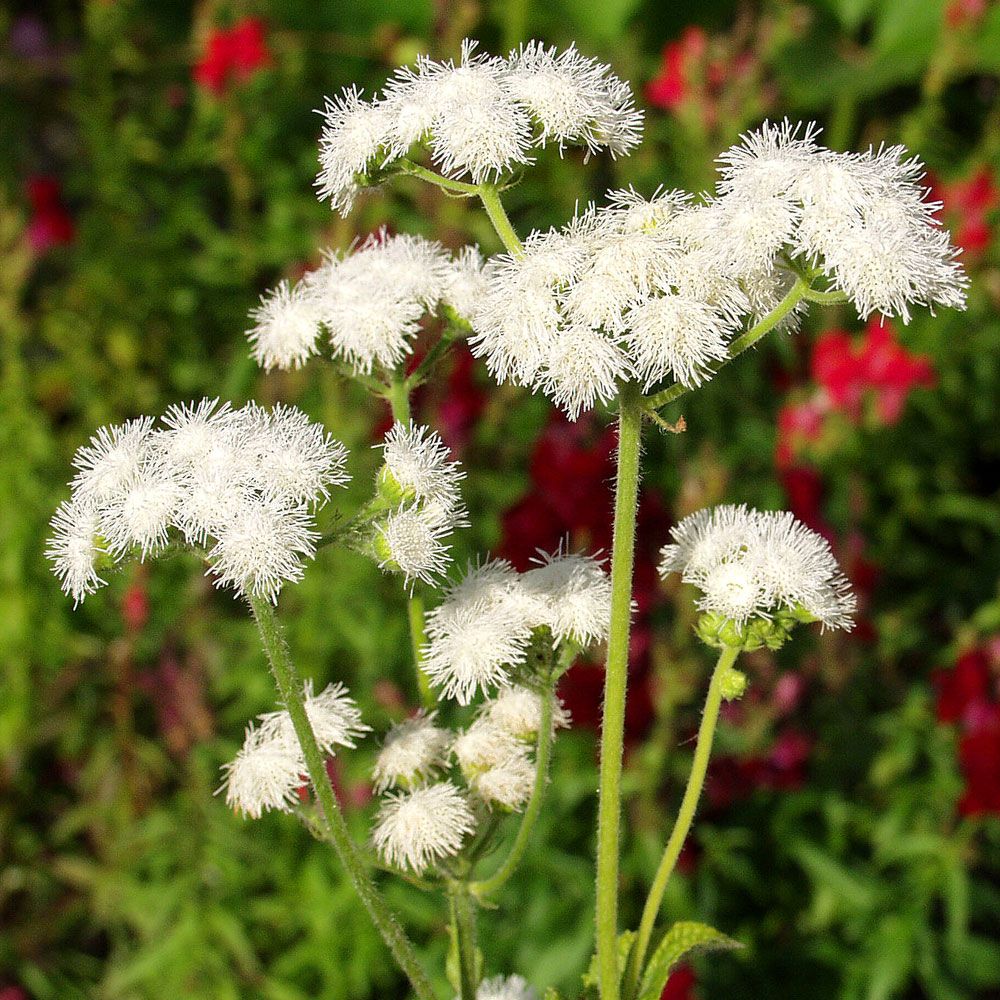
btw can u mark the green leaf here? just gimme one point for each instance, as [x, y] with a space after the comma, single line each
[625, 939]
[684, 937]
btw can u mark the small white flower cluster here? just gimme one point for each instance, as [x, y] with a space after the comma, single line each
[480, 118]
[419, 477]
[425, 816]
[243, 483]
[369, 302]
[505, 988]
[483, 628]
[750, 564]
[649, 289]
[269, 769]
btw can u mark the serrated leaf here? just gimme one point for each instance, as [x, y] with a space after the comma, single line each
[683, 938]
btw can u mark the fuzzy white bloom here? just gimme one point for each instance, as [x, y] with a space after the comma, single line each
[410, 542]
[465, 283]
[573, 595]
[484, 745]
[509, 784]
[286, 327]
[264, 775]
[333, 714]
[415, 829]
[241, 482]
[413, 752]
[418, 461]
[582, 366]
[477, 633]
[480, 117]
[505, 988]
[750, 563]
[518, 711]
[74, 549]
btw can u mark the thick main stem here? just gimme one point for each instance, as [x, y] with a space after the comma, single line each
[685, 817]
[615, 683]
[290, 689]
[463, 927]
[398, 394]
[543, 753]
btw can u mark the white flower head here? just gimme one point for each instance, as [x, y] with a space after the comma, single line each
[573, 595]
[418, 461]
[414, 751]
[508, 784]
[505, 988]
[465, 284]
[141, 510]
[581, 366]
[484, 745]
[113, 456]
[410, 542]
[415, 829]
[749, 564]
[286, 327]
[197, 435]
[266, 774]
[518, 711]
[74, 550]
[333, 714]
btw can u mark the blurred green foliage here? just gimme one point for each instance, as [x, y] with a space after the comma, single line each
[121, 876]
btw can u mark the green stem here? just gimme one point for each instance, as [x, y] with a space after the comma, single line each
[490, 198]
[398, 394]
[615, 682]
[419, 375]
[446, 183]
[290, 690]
[463, 929]
[685, 816]
[832, 298]
[543, 753]
[799, 291]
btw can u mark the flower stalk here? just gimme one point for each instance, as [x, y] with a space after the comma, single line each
[463, 928]
[290, 690]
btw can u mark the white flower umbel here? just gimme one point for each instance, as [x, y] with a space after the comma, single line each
[413, 830]
[505, 988]
[286, 327]
[266, 774]
[243, 483]
[418, 461]
[414, 751]
[333, 714]
[518, 711]
[573, 596]
[750, 564]
[480, 117]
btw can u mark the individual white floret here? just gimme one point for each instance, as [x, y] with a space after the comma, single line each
[581, 366]
[508, 784]
[574, 99]
[410, 542]
[196, 435]
[73, 548]
[632, 212]
[573, 595]
[676, 335]
[767, 162]
[138, 515]
[115, 454]
[354, 140]
[418, 460]
[505, 988]
[333, 714]
[749, 563]
[286, 327]
[266, 774]
[465, 284]
[484, 745]
[414, 751]
[518, 710]
[262, 547]
[415, 829]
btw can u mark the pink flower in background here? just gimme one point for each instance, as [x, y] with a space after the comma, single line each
[50, 224]
[672, 86]
[236, 53]
[799, 424]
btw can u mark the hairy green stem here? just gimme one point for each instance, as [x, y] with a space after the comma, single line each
[543, 754]
[685, 816]
[445, 183]
[490, 198]
[290, 690]
[615, 683]
[398, 394]
[463, 929]
[799, 291]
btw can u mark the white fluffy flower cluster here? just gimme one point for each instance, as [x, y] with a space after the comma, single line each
[480, 117]
[645, 290]
[269, 769]
[242, 483]
[369, 302]
[483, 628]
[423, 486]
[750, 564]
[505, 988]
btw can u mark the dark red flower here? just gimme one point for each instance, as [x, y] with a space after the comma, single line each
[49, 224]
[979, 758]
[680, 985]
[962, 687]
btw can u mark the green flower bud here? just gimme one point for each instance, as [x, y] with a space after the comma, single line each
[732, 684]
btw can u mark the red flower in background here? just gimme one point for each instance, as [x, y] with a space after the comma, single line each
[967, 204]
[968, 695]
[679, 69]
[50, 224]
[680, 985]
[233, 54]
